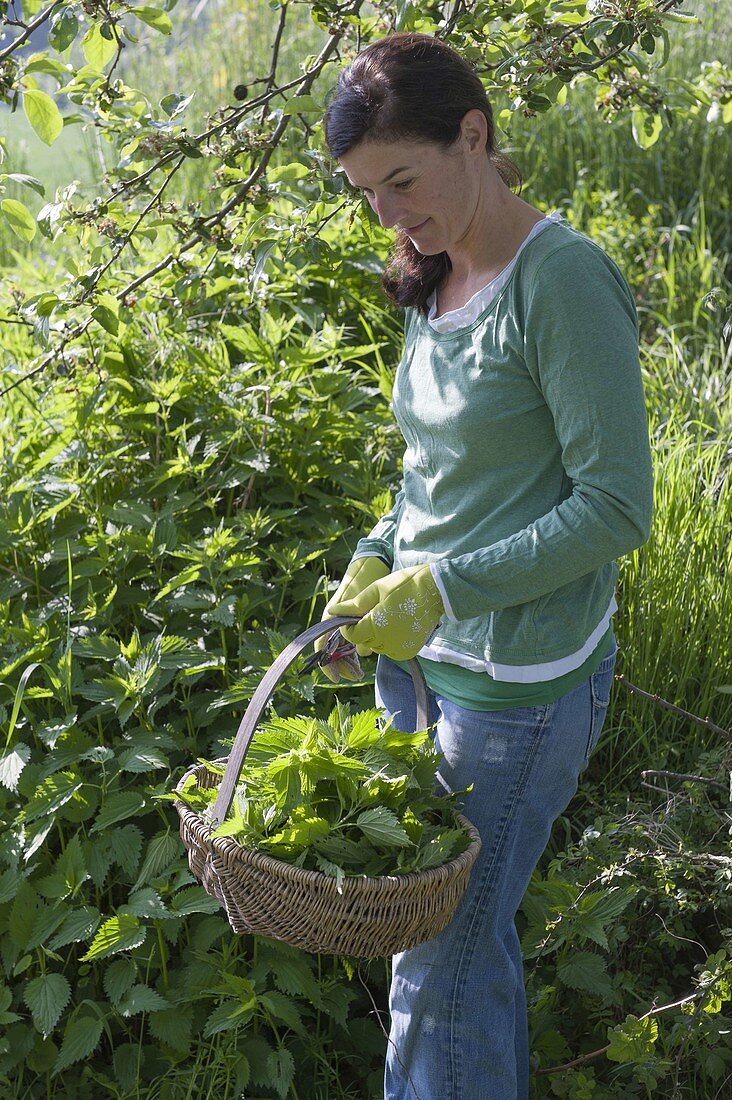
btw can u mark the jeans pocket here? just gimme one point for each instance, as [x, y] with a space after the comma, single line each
[601, 683]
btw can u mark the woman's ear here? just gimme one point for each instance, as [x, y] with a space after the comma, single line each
[474, 130]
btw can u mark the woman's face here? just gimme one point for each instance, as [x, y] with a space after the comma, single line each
[429, 191]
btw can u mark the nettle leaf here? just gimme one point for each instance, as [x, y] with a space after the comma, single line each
[281, 1071]
[141, 998]
[47, 996]
[12, 762]
[81, 1038]
[120, 933]
[228, 1015]
[173, 1026]
[161, 851]
[147, 903]
[119, 977]
[52, 794]
[284, 1009]
[127, 847]
[193, 899]
[381, 826]
[78, 925]
[586, 971]
[117, 807]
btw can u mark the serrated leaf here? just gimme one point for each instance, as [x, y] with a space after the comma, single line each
[120, 933]
[228, 1015]
[633, 1040]
[173, 1026]
[12, 762]
[119, 977]
[147, 903]
[194, 899]
[43, 115]
[161, 851]
[281, 1071]
[586, 971]
[118, 807]
[141, 998]
[47, 996]
[381, 826]
[52, 794]
[81, 1038]
[284, 1009]
[79, 925]
[126, 848]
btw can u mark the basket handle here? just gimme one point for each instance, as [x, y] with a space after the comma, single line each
[266, 690]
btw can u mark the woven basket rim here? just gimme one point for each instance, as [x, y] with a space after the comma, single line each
[352, 884]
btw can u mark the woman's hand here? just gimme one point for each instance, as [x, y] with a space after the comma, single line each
[399, 613]
[360, 574]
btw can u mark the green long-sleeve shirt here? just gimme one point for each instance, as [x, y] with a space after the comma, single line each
[527, 466]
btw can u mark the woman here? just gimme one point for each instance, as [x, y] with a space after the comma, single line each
[526, 474]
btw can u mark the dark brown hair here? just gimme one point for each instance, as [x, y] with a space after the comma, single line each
[412, 87]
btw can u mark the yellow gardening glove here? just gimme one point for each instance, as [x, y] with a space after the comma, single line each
[399, 613]
[360, 574]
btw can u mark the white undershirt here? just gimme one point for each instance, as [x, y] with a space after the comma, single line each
[466, 314]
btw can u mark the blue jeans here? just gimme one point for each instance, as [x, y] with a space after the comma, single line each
[458, 1005]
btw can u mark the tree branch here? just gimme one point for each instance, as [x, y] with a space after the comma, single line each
[705, 723]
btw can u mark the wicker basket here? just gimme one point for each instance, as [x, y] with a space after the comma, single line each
[370, 916]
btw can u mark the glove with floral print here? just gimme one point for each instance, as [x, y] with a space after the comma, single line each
[399, 613]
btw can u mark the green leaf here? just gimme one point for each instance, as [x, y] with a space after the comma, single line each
[81, 1038]
[633, 1040]
[141, 998]
[646, 128]
[98, 50]
[194, 899]
[126, 848]
[302, 104]
[19, 218]
[119, 977]
[51, 795]
[147, 903]
[79, 925]
[284, 1009]
[155, 18]
[43, 115]
[26, 181]
[228, 1015]
[586, 971]
[117, 807]
[63, 30]
[162, 850]
[12, 762]
[173, 1027]
[120, 933]
[381, 826]
[106, 312]
[281, 1071]
[47, 996]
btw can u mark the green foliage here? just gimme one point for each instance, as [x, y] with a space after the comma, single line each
[346, 795]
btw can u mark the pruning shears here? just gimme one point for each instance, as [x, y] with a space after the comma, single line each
[336, 649]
